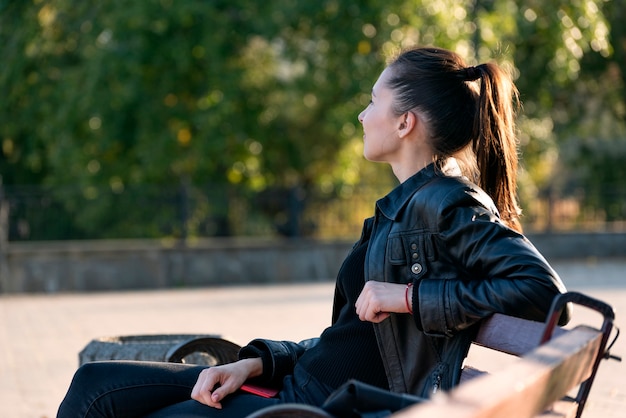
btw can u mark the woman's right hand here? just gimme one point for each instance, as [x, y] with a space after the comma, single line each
[215, 383]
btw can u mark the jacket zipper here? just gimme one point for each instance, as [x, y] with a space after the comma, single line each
[437, 384]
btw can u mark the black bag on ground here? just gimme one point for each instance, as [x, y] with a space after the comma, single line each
[355, 399]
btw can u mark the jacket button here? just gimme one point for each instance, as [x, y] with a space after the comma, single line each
[416, 268]
[415, 256]
[414, 246]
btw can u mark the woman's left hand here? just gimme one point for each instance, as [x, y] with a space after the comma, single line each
[217, 382]
[379, 299]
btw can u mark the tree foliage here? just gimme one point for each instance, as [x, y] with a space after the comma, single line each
[113, 95]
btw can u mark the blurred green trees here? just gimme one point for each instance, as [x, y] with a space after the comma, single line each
[113, 95]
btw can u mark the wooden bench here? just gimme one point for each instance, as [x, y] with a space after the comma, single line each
[553, 361]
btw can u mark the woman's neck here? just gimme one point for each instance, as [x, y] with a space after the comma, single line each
[406, 169]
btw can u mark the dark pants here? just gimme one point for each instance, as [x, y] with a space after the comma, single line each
[127, 389]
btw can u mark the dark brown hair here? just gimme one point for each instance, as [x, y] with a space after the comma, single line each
[469, 110]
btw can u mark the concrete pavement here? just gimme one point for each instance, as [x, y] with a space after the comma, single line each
[41, 335]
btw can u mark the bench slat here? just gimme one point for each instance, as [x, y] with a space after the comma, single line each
[512, 335]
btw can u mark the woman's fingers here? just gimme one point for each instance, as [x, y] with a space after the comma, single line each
[203, 391]
[215, 383]
[378, 299]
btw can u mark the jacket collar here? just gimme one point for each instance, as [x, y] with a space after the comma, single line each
[391, 205]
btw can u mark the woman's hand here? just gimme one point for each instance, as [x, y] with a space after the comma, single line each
[215, 383]
[378, 299]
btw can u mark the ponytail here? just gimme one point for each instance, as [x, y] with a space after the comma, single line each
[495, 143]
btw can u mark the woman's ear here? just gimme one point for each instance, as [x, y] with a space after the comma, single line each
[408, 122]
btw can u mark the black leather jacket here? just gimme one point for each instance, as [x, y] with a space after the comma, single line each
[443, 233]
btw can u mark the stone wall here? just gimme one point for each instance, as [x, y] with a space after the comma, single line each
[79, 266]
[122, 265]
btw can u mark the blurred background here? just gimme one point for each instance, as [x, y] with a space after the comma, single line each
[171, 144]
[181, 121]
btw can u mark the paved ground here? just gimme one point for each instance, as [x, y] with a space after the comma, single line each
[41, 335]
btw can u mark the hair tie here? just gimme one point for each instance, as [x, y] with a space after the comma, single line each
[472, 73]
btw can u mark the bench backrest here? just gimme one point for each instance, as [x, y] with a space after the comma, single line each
[526, 387]
[536, 383]
[509, 335]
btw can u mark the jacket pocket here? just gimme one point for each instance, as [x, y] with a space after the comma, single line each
[406, 251]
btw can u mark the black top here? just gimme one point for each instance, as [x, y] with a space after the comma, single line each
[347, 349]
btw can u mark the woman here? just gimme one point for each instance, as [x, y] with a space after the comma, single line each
[443, 250]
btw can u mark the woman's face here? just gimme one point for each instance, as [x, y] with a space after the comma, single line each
[380, 125]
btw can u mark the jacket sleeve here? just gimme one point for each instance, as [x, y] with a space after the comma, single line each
[499, 270]
[279, 357]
